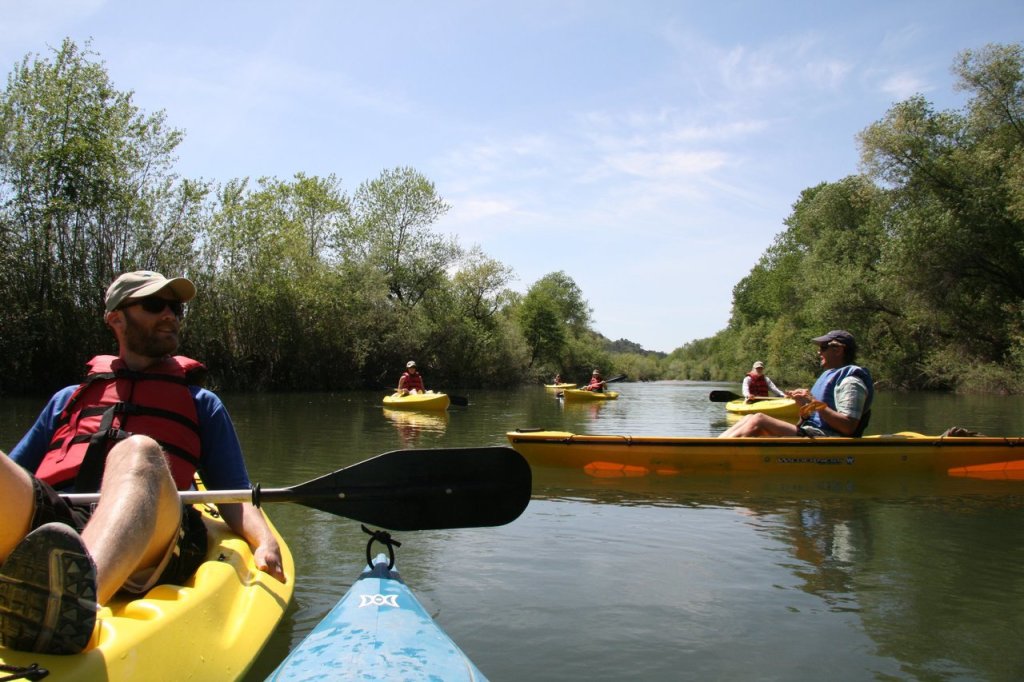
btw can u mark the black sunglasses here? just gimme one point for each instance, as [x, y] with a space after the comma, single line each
[825, 346]
[155, 305]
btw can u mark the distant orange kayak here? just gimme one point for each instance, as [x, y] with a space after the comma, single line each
[900, 453]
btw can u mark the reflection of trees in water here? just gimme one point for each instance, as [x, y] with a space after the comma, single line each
[927, 575]
[953, 568]
[934, 568]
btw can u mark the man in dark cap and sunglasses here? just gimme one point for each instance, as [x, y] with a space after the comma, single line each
[136, 430]
[838, 404]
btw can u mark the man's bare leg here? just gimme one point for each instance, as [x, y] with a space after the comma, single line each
[138, 515]
[17, 504]
[759, 424]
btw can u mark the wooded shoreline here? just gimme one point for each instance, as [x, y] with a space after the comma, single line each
[305, 286]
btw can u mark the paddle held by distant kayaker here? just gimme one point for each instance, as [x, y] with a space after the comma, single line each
[839, 403]
[756, 384]
[411, 381]
[136, 430]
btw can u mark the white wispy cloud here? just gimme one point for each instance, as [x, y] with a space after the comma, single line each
[903, 85]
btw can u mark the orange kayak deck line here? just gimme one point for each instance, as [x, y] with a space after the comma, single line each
[900, 453]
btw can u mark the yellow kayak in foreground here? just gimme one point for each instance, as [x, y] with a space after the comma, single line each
[210, 628]
[900, 453]
[559, 387]
[417, 401]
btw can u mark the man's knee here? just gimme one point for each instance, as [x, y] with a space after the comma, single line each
[139, 456]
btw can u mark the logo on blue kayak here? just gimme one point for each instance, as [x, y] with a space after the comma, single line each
[378, 600]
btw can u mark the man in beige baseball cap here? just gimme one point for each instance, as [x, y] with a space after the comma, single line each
[142, 283]
[138, 428]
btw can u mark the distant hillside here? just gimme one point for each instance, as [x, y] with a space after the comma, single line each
[627, 346]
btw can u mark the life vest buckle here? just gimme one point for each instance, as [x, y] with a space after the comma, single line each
[115, 434]
[126, 408]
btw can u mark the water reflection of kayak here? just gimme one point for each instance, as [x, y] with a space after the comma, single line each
[435, 420]
[730, 490]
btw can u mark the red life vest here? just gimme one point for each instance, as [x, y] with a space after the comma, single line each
[411, 382]
[758, 384]
[114, 403]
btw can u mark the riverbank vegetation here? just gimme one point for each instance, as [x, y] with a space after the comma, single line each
[921, 256]
[307, 285]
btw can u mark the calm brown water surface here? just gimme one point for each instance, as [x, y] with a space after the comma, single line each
[667, 579]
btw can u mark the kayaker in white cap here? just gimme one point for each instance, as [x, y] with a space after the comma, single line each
[756, 384]
[597, 382]
[136, 430]
[839, 403]
[411, 381]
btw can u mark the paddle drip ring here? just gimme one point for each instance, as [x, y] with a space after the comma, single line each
[384, 538]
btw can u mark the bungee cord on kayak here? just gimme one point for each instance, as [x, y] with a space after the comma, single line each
[384, 538]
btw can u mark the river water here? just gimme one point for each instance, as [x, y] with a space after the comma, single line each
[666, 578]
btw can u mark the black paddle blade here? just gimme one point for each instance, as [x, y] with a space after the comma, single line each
[425, 489]
[723, 396]
[459, 400]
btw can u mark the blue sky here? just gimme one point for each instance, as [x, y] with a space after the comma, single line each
[651, 150]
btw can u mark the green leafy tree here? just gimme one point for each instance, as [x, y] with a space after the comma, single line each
[86, 191]
[390, 228]
[280, 308]
[955, 231]
[555, 319]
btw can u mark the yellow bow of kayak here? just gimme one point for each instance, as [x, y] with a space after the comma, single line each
[783, 408]
[212, 627]
[580, 395]
[417, 401]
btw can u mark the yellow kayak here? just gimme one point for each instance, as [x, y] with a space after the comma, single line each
[559, 387]
[417, 401]
[900, 453]
[783, 408]
[580, 395]
[210, 628]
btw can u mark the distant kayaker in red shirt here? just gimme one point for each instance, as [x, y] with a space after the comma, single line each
[411, 381]
[596, 382]
[757, 385]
